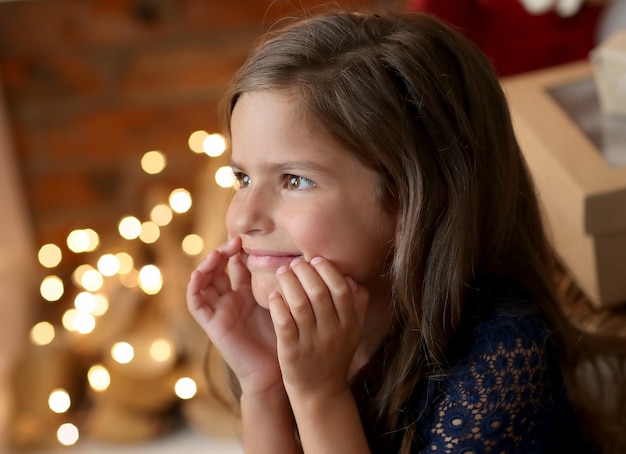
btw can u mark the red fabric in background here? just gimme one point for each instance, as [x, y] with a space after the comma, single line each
[513, 39]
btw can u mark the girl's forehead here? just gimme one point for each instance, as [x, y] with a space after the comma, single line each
[286, 99]
[277, 118]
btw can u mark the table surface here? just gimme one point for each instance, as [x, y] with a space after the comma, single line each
[187, 441]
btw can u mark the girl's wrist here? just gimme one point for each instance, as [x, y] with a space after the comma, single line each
[274, 393]
[268, 421]
[318, 400]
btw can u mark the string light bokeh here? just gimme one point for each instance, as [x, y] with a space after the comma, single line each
[86, 296]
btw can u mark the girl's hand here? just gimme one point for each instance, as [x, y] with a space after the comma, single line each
[241, 330]
[318, 321]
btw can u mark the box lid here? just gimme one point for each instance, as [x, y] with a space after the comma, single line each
[563, 159]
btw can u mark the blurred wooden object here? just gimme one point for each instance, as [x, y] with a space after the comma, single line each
[582, 313]
[213, 410]
[17, 254]
[583, 196]
[114, 422]
[609, 67]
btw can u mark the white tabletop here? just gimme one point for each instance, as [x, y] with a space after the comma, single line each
[187, 441]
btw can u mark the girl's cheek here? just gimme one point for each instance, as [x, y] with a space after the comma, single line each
[230, 215]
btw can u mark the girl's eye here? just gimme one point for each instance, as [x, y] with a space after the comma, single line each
[241, 180]
[294, 182]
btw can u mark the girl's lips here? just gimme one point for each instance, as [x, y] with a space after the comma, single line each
[262, 259]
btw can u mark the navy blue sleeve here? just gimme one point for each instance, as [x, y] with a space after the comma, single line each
[506, 395]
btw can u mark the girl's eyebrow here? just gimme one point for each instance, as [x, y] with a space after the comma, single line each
[289, 165]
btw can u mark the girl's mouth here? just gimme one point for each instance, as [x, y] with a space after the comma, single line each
[268, 259]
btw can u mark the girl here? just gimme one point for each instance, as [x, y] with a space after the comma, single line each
[389, 283]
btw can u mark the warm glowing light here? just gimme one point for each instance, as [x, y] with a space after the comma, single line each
[59, 401]
[85, 302]
[94, 240]
[68, 434]
[79, 272]
[52, 288]
[122, 352]
[129, 227]
[224, 177]
[78, 241]
[84, 323]
[161, 350]
[214, 145]
[83, 240]
[193, 244]
[108, 265]
[98, 377]
[42, 333]
[150, 232]
[49, 255]
[185, 388]
[74, 320]
[161, 214]
[69, 318]
[102, 305]
[125, 261]
[150, 279]
[153, 162]
[196, 140]
[180, 200]
[130, 279]
[92, 280]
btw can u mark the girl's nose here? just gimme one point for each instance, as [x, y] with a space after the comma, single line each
[250, 212]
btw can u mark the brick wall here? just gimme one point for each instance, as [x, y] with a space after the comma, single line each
[91, 85]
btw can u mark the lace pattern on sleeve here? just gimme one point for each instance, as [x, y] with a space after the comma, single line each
[492, 403]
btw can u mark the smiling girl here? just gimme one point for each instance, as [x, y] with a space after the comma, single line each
[389, 283]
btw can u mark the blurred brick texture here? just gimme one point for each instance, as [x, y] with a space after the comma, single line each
[94, 84]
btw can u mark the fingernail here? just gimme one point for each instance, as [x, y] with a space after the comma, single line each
[231, 241]
[282, 269]
[295, 261]
[272, 295]
[316, 260]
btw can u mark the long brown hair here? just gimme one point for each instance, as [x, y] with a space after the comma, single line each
[416, 101]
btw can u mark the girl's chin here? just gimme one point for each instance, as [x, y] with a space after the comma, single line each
[262, 290]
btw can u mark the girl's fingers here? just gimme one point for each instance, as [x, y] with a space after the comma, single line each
[238, 272]
[231, 247]
[319, 297]
[284, 324]
[209, 281]
[196, 302]
[212, 273]
[218, 258]
[317, 292]
[342, 289]
[214, 265]
[296, 299]
[361, 299]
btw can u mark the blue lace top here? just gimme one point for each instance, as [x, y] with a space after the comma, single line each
[506, 394]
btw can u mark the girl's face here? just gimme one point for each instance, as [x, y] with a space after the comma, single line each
[302, 195]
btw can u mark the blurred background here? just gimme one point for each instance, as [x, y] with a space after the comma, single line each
[109, 149]
[112, 187]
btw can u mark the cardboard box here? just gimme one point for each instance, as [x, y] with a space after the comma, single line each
[609, 65]
[582, 191]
